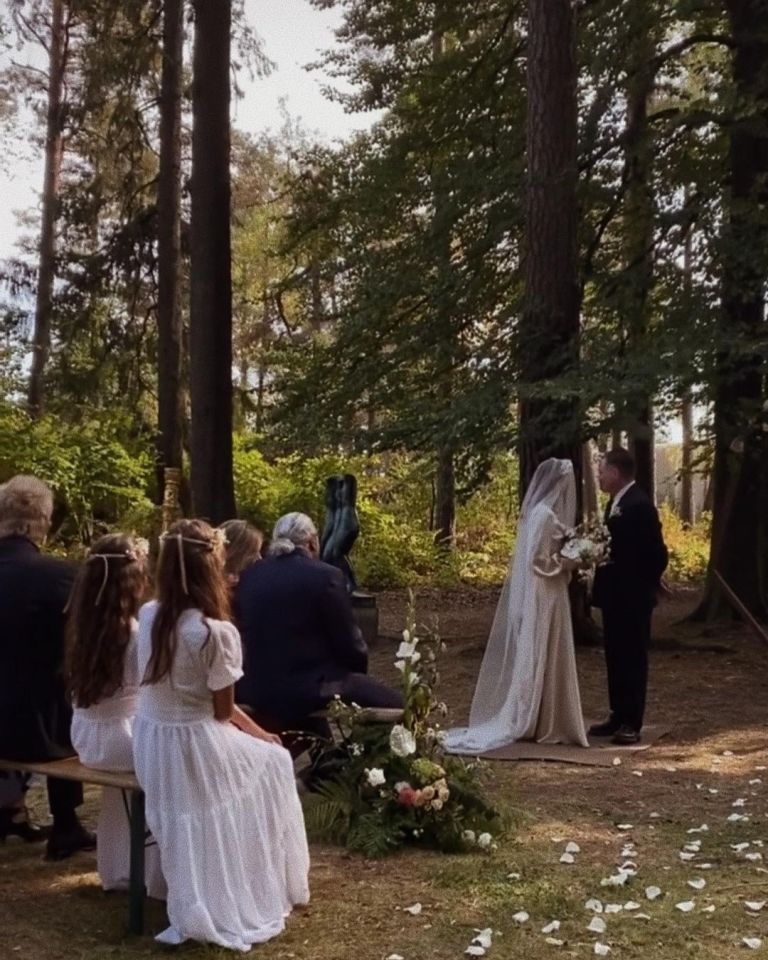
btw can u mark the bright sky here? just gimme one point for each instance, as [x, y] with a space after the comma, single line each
[294, 33]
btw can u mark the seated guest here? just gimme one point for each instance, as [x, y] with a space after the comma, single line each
[34, 713]
[243, 547]
[302, 647]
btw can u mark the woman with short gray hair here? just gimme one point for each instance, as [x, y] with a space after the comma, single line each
[35, 715]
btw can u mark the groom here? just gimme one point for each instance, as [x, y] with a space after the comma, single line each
[626, 590]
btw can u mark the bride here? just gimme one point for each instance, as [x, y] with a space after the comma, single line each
[528, 688]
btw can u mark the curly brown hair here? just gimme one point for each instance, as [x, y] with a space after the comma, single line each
[106, 596]
[190, 576]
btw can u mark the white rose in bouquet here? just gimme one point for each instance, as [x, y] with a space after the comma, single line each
[401, 741]
[375, 777]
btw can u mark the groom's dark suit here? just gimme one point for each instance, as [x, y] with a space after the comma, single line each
[626, 589]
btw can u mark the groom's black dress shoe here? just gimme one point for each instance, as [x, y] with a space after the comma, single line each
[606, 729]
[626, 736]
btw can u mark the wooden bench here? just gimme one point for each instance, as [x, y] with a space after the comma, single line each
[72, 769]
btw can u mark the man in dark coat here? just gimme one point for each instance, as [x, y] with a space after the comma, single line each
[301, 645]
[626, 589]
[35, 716]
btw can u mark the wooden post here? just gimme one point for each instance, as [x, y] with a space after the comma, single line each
[171, 492]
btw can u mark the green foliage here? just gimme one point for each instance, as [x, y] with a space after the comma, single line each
[688, 547]
[97, 481]
[378, 788]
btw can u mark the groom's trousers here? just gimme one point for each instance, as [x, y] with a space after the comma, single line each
[627, 636]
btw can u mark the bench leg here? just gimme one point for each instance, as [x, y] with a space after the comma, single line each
[136, 890]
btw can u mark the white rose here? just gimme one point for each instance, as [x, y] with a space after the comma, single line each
[403, 785]
[400, 665]
[484, 841]
[356, 749]
[437, 804]
[401, 741]
[469, 836]
[444, 793]
[406, 636]
[375, 777]
[405, 651]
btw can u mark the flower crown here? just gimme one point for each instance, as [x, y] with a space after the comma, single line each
[217, 539]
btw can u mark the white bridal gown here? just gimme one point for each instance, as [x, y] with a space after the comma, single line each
[528, 687]
[102, 737]
[222, 805]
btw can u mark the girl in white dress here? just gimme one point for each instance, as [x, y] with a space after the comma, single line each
[221, 794]
[528, 687]
[101, 666]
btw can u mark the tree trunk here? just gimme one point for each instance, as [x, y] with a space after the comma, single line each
[445, 498]
[740, 514]
[591, 505]
[169, 347]
[54, 154]
[211, 281]
[687, 513]
[639, 219]
[549, 329]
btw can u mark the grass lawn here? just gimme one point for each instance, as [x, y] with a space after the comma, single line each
[711, 689]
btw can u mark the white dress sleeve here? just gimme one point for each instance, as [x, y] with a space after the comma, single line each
[224, 655]
[547, 561]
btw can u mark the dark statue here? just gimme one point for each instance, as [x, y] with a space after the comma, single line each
[342, 525]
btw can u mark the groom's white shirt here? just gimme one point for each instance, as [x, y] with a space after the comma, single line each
[618, 497]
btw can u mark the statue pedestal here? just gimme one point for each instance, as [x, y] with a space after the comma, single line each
[366, 615]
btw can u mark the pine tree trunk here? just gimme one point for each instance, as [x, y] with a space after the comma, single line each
[740, 477]
[445, 499]
[549, 329]
[687, 513]
[211, 277]
[638, 245]
[591, 506]
[169, 349]
[54, 155]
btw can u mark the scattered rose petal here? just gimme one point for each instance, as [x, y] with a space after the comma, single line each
[602, 949]
[753, 857]
[573, 848]
[654, 816]
[713, 791]
[705, 866]
[567, 858]
[686, 906]
[625, 826]
[551, 927]
[727, 753]
[737, 817]
[617, 880]
[484, 938]
[513, 876]
[414, 910]
[642, 916]
[554, 942]
[710, 909]
[521, 917]
[475, 951]
[637, 773]
[613, 908]
[754, 943]
[738, 847]
[741, 802]
[702, 829]
[698, 884]
[631, 905]
[394, 956]
[595, 906]
[597, 925]
[617, 761]
[652, 893]
[694, 846]
[671, 769]
[754, 905]
[756, 782]
[687, 856]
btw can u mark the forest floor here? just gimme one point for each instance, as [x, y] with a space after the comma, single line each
[709, 686]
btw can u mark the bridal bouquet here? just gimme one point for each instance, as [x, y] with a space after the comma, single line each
[382, 786]
[589, 545]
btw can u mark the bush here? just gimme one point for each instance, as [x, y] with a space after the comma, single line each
[688, 547]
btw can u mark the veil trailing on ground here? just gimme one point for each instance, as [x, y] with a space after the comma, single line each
[509, 685]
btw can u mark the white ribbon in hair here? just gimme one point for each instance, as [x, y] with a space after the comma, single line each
[106, 557]
[218, 538]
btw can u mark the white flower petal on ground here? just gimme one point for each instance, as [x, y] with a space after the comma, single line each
[756, 782]
[484, 938]
[727, 753]
[710, 909]
[652, 893]
[737, 817]
[624, 827]
[713, 791]
[414, 910]
[739, 847]
[395, 956]
[704, 866]
[685, 906]
[473, 950]
[741, 802]
[602, 949]
[567, 858]
[702, 829]
[629, 866]
[754, 905]
[554, 942]
[694, 846]
[572, 847]
[597, 925]
[613, 908]
[697, 884]
[552, 927]
[510, 876]
[637, 773]
[617, 761]
[687, 856]
[484, 841]
[631, 905]
[754, 943]
[753, 857]
[616, 880]
[641, 916]
[521, 917]
[594, 905]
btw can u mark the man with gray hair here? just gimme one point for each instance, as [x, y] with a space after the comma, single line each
[35, 716]
[302, 647]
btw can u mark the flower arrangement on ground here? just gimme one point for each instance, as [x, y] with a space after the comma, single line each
[379, 787]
